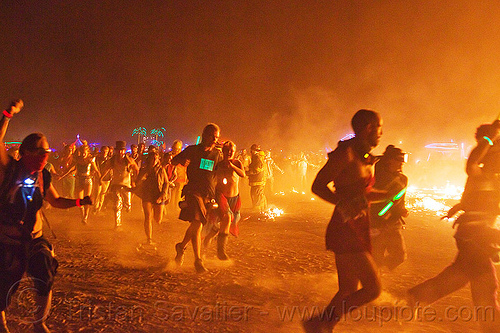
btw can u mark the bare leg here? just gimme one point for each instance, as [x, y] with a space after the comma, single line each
[3, 323]
[225, 223]
[87, 191]
[352, 268]
[484, 294]
[102, 195]
[396, 248]
[158, 213]
[222, 238]
[148, 228]
[449, 280]
[80, 194]
[196, 238]
[43, 304]
[356, 267]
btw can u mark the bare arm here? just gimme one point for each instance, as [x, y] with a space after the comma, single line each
[15, 107]
[56, 201]
[174, 175]
[237, 167]
[474, 161]
[278, 168]
[106, 168]
[96, 169]
[70, 170]
[52, 169]
[166, 185]
[141, 176]
[335, 164]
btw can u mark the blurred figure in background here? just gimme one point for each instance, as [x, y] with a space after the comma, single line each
[152, 187]
[102, 183]
[387, 222]
[271, 167]
[477, 236]
[179, 182]
[122, 168]
[257, 179]
[66, 162]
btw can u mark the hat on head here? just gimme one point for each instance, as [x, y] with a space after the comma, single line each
[394, 153]
[120, 145]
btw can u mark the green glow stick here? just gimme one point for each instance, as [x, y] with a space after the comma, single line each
[489, 140]
[400, 194]
[386, 208]
[390, 204]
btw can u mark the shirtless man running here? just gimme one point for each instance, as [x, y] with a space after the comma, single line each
[227, 195]
[351, 168]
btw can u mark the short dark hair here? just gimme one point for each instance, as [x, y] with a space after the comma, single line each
[362, 118]
[29, 143]
[211, 127]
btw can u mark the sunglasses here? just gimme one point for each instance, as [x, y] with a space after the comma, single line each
[41, 151]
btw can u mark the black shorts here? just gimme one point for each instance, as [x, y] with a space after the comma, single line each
[36, 257]
[195, 209]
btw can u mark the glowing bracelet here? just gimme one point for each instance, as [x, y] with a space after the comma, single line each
[7, 114]
[489, 140]
[78, 203]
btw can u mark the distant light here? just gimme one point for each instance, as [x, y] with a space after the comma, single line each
[224, 181]
[348, 137]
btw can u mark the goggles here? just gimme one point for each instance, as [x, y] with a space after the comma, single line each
[40, 151]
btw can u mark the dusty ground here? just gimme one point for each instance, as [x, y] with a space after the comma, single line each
[105, 285]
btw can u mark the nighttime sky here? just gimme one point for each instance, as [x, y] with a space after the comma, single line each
[284, 73]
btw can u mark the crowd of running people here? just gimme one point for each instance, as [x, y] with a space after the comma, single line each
[201, 185]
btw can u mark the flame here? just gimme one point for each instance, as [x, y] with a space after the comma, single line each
[224, 181]
[436, 201]
[273, 212]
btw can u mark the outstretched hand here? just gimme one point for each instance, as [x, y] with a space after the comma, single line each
[16, 106]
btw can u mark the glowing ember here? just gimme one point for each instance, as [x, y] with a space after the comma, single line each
[436, 201]
[273, 212]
